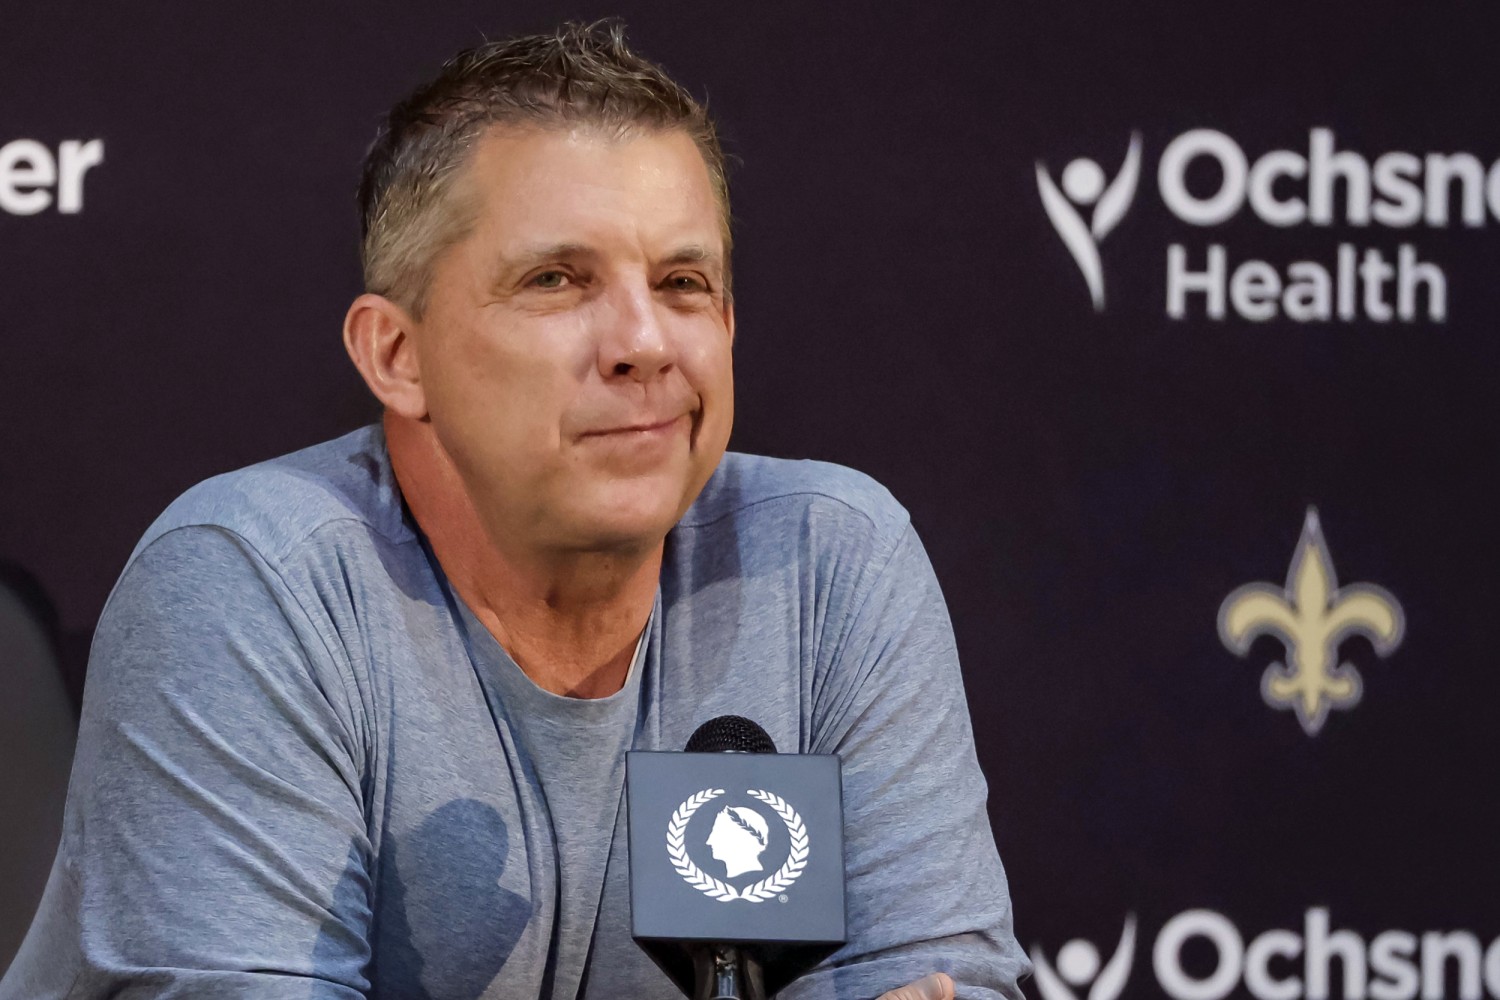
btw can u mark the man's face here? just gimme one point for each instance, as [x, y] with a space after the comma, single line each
[721, 837]
[575, 349]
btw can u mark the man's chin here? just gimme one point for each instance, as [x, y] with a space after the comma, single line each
[608, 525]
[602, 512]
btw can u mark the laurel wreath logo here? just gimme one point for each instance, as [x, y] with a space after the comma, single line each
[767, 888]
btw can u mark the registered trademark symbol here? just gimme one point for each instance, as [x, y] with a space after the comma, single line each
[782, 897]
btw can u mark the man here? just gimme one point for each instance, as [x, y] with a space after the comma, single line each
[356, 717]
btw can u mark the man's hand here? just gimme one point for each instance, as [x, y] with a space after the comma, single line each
[934, 987]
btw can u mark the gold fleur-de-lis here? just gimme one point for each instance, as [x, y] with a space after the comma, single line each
[1311, 616]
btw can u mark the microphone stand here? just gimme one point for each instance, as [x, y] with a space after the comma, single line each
[724, 972]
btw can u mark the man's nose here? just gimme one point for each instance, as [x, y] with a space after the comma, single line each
[636, 342]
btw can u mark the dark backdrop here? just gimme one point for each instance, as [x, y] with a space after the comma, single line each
[1091, 484]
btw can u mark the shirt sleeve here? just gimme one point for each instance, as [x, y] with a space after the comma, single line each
[214, 840]
[926, 891]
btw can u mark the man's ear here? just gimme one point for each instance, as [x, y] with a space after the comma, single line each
[378, 337]
[729, 319]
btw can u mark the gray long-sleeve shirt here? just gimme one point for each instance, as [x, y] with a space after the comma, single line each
[306, 770]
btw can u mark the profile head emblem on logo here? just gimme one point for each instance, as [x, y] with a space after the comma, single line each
[1083, 184]
[738, 839]
[1311, 615]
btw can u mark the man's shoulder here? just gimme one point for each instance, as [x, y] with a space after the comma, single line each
[753, 486]
[277, 504]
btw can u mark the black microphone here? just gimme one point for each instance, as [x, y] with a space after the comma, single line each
[736, 861]
[725, 971]
[730, 734]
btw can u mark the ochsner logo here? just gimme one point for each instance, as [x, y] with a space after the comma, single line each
[1322, 187]
[1083, 185]
[1281, 963]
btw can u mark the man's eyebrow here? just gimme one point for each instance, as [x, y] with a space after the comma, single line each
[541, 253]
[513, 265]
[695, 253]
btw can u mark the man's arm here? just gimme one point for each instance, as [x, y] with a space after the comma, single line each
[926, 890]
[215, 841]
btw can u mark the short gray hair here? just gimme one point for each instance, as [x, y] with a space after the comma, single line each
[579, 75]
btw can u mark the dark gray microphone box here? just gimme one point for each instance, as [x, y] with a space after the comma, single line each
[736, 848]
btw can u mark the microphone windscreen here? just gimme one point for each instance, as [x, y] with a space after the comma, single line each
[733, 733]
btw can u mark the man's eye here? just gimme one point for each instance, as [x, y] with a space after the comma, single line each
[549, 279]
[686, 283]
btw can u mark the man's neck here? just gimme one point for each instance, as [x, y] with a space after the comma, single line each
[571, 621]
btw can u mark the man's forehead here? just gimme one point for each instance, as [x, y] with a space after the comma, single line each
[540, 183]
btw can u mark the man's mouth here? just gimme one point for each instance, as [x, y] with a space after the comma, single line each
[644, 428]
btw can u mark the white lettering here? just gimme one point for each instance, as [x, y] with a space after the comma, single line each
[74, 160]
[1399, 189]
[27, 170]
[1453, 965]
[1411, 272]
[1492, 195]
[1258, 956]
[1181, 281]
[1263, 175]
[1322, 946]
[1441, 169]
[1491, 968]
[1375, 272]
[1394, 974]
[1436, 950]
[1346, 281]
[1166, 955]
[1400, 201]
[1327, 186]
[1254, 290]
[1309, 295]
[1359, 285]
[1171, 177]
[1324, 168]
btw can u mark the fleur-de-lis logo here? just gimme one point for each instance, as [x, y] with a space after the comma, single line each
[1311, 615]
